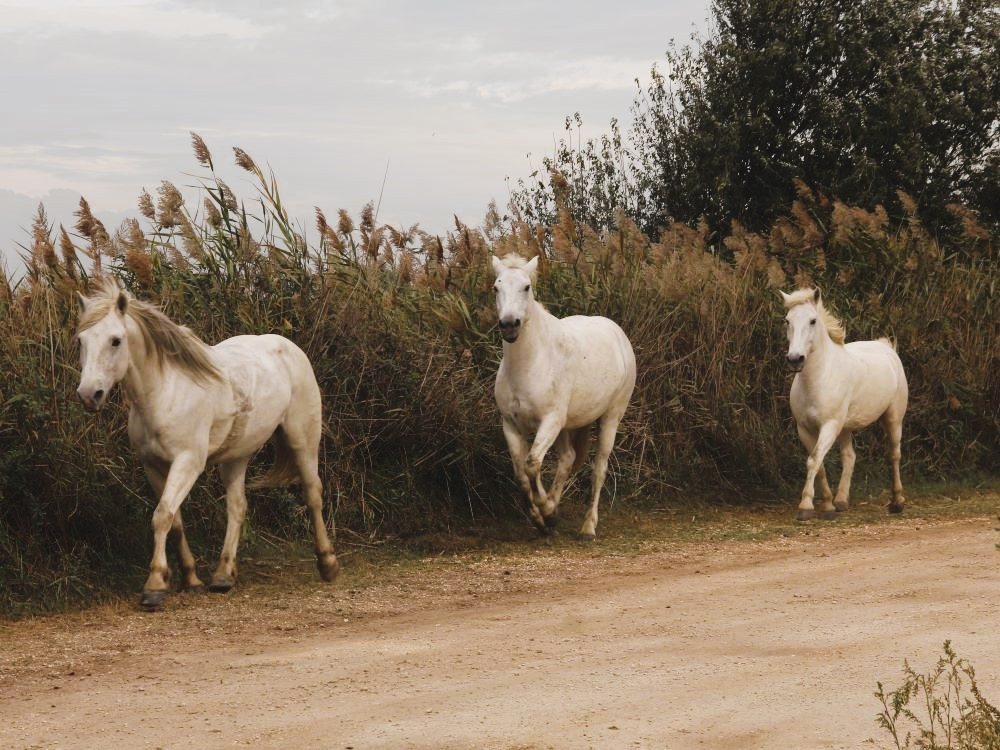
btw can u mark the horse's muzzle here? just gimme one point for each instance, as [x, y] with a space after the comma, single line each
[795, 362]
[93, 402]
[509, 330]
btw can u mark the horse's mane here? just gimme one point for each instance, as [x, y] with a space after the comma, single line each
[163, 337]
[833, 324]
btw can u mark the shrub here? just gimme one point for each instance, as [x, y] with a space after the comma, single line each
[948, 712]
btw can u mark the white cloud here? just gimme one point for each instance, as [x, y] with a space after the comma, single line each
[510, 77]
[48, 18]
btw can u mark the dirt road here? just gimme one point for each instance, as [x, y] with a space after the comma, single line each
[773, 644]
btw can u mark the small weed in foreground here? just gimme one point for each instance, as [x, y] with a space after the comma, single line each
[943, 716]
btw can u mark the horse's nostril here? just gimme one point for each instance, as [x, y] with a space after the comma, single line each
[98, 395]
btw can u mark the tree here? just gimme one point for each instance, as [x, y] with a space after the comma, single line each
[857, 98]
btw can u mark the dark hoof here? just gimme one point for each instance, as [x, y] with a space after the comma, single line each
[150, 601]
[328, 568]
[199, 589]
[551, 521]
[895, 507]
[828, 515]
[805, 515]
[582, 537]
[221, 585]
[839, 507]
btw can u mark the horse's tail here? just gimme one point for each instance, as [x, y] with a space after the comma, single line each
[284, 470]
[581, 444]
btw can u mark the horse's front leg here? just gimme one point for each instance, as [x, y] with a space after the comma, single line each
[546, 434]
[180, 479]
[187, 562]
[518, 447]
[824, 441]
[233, 475]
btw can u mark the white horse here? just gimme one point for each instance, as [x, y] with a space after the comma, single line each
[193, 405]
[557, 377]
[838, 389]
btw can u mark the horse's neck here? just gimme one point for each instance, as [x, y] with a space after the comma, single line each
[826, 356]
[144, 377]
[534, 344]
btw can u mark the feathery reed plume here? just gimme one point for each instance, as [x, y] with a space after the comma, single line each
[228, 196]
[169, 205]
[91, 227]
[136, 254]
[68, 250]
[243, 160]
[406, 266]
[43, 252]
[212, 215]
[146, 205]
[345, 224]
[321, 223]
[201, 152]
[189, 236]
[331, 239]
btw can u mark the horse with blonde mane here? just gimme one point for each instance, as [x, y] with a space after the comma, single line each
[557, 378]
[838, 389]
[194, 405]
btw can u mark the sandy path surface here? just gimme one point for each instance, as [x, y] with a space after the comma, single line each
[773, 644]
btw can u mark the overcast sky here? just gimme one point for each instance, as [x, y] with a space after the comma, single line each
[454, 97]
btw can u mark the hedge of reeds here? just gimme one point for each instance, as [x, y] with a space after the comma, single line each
[400, 328]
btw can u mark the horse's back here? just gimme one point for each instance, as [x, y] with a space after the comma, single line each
[881, 384]
[603, 365]
[268, 363]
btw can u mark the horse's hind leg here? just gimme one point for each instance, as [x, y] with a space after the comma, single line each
[847, 459]
[302, 433]
[893, 425]
[191, 581]
[569, 447]
[233, 475]
[605, 443]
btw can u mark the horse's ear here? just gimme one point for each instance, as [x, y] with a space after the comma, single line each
[816, 296]
[531, 267]
[784, 297]
[121, 303]
[81, 303]
[497, 265]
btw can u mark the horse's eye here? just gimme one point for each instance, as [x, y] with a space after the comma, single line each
[812, 322]
[527, 287]
[116, 341]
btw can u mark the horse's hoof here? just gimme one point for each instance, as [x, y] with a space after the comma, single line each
[551, 521]
[805, 514]
[895, 507]
[221, 585]
[328, 567]
[196, 589]
[840, 505]
[583, 536]
[150, 601]
[828, 515]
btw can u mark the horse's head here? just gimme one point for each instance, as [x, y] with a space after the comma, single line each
[513, 292]
[803, 320]
[103, 341]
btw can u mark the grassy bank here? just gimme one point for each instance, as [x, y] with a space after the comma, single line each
[399, 326]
